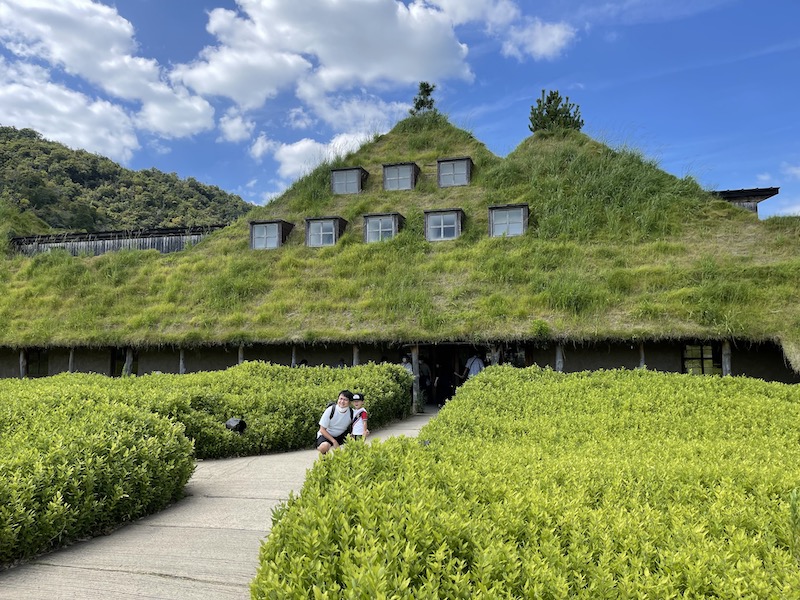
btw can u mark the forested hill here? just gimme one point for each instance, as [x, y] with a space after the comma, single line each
[44, 185]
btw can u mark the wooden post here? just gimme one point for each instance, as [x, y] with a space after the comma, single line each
[241, 353]
[181, 362]
[294, 355]
[559, 358]
[726, 357]
[23, 364]
[71, 367]
[355, 355]
[128, 368]
[642, 363]
[415, 386]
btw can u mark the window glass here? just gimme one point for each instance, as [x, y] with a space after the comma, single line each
[321, 233]
[453, 173]
[380, 228]
[397, 177]
[346, 182]
[507, 221]
[702, 360]
[442, 226]
[266, 235]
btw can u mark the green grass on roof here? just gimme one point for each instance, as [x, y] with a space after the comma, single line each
[616, 248]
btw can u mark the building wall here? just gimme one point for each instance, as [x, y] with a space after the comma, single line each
[765, 361]
[9, 363]
[601, 356]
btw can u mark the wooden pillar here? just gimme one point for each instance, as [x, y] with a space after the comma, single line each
[560, 358]
[181, 362]
[726, 358]
[241, 353]
[71, 367]
[128, 368]
[356, 360]
[642, 363]
[294, 355]
[415, 386]
[23, 364]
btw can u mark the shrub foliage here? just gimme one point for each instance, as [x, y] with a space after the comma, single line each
[536, 484]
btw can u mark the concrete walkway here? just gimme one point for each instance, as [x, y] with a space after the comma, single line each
[202, 547]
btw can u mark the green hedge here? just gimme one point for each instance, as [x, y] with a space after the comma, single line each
[280, 405]
[74, 464]
[531, 483]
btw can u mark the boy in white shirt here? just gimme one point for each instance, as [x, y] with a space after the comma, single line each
[360, 417]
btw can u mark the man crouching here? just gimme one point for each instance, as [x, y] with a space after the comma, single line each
[335, 423]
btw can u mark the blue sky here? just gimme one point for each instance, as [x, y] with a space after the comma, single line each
[249, 95]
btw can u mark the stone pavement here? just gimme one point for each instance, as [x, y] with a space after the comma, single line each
[204, 546]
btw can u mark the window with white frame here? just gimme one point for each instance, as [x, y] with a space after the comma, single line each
[266, 236]
[380, 228]
[346, 181]
[454, 172]
[398, 177]
[442, 226]
[508, 221]
[321, 233]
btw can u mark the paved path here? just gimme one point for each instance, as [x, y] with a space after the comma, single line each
[202, 547]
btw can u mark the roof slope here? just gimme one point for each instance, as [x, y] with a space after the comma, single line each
[616, 248]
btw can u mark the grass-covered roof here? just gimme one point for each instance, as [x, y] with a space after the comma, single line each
[616, 248]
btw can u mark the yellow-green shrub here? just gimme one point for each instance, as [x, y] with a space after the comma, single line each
[539, 484]
[74, 464]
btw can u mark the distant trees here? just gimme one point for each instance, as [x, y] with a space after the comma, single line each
[75, 190]
[553, 112]
[423, 101]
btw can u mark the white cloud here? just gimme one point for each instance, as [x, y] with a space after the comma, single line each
[792, 171]
[492, 12]
[538, 39]
[235, 127]
[298, 118]
[764, 177]
[92, 41]
[262, 146]
[29, 99]
[271, 46]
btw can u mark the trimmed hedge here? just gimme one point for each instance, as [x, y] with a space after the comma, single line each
[82, 453]
[281, 405]
[531, 483]
[74, 463]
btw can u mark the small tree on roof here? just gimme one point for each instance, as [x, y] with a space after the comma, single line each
[423, 101]
[553, 112]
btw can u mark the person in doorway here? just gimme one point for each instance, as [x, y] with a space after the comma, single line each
[360, 417]
[335, 424]
[425, 380]
[474, 366]
[443, 384]
[406, 364]
[342, 364]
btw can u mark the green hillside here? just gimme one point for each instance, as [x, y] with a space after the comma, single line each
[46, 186]
[616, 249]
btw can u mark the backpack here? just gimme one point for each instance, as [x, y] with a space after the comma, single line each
[332, 406]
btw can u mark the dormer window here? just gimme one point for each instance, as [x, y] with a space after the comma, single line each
[443, 225]
[324, 231]
[454, 171]
[349, 180]
[509, 220]
[266, 235]
[402, 176]
[380, 227]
